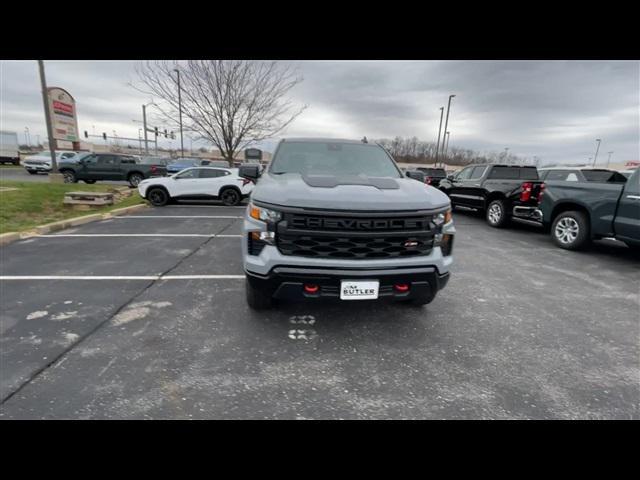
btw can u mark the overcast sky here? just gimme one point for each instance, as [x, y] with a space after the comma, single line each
[552, 109]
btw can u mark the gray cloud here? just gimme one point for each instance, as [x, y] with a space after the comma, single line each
[552, 109]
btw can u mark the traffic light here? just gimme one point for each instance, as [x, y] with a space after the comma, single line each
[165, 133]
[173, 136]
[156, 130]
[86, 135]
[104, 135]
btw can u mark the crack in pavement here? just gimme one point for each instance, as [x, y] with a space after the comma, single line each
[81, 339]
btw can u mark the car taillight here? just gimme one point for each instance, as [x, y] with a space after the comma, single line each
[154, 169]
[541, 192]
[428, 181]
[244, 181]
[525, 196]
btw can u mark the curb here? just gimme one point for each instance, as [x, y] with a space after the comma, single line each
[10, 237]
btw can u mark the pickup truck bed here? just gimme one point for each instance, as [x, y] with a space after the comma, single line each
[592, 210]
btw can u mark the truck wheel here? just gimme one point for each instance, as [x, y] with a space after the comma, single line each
[230, 197]
[497, 214]
[256, 299]
[158, 197]
[135, 179]
[570, 230]
[90, 182]
[69, 176]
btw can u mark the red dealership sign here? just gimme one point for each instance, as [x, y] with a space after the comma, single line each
[62, 108]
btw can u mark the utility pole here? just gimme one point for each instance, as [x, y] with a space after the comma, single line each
[446, 123]
[608, 159]
[595, 159]
[439, 130]
[27, 138]
[180, 112]
[506, 152]
[47, 115]
[144, 122]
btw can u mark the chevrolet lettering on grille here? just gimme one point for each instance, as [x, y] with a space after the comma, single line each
[358, 224]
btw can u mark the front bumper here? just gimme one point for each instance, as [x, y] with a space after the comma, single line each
[37, 168]
[286, 283]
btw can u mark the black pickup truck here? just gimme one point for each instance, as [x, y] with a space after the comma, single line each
[109, 166]
[580, 211]
[501, 191]
[433, 175]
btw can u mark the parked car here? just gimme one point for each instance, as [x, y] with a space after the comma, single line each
[154, 160]
[433, 175]
[108, 166]
[41, 162]
[627, 173]
[415, 175]
[581, 174]
[337, 219]
[502, 192]
[197, 183]
[578, 212]
[9, 151]
[182, 163]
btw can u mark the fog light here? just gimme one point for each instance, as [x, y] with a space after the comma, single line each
[310, 288]
[401, 287]
[266, 237]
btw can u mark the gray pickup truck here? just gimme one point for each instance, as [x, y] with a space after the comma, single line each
[580, 205]
[109, 166]
[337, 219]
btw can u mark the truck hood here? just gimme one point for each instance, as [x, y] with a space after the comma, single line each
[347, 193]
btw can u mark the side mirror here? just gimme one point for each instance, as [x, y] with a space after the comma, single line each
[415, 175]
[451, 177]
[250, 172]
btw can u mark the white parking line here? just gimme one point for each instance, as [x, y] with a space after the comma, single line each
[63, 235]
[176, 216]
[120, 277]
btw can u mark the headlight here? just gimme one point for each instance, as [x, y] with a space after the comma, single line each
[264, 214]
[442, 218]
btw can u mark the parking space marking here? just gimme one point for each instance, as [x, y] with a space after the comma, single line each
[120, 277]
[208, 235]
[176, 216]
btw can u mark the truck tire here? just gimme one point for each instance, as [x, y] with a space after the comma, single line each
[230, 196]
[135, 179]
[570, 230]
[256, 299]
[69, 176]
[496, 214]
[158, 197]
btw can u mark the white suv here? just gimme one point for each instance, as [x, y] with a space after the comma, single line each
[41, 162]
[197, 183]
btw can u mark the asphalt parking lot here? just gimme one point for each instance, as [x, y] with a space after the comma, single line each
[144, 316]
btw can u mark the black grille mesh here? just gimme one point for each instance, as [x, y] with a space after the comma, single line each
[359, 247]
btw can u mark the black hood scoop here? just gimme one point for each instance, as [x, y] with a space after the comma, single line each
[330, 181]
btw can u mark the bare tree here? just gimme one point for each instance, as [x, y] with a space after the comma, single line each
[231, 103]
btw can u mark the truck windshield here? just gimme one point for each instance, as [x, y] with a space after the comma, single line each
[326, 158]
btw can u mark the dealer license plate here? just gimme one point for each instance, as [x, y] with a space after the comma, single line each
[359, 290]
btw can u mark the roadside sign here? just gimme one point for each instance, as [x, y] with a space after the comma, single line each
[62, 108]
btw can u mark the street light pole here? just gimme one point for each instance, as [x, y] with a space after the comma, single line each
[608, 159]
[446, 145]
[595, 159]
[506, 152]
[439, 131]
[47, 116]
[180, 113]
[446, 123]
[27, 138]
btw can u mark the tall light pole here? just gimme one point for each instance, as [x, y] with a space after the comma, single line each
[608, 159]
[446, 145]
[439, 131]
[506, 152]
[446, 123]
[180, 113]
[47, 116]
[595, 159]
[144, 124]
[27, 139]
